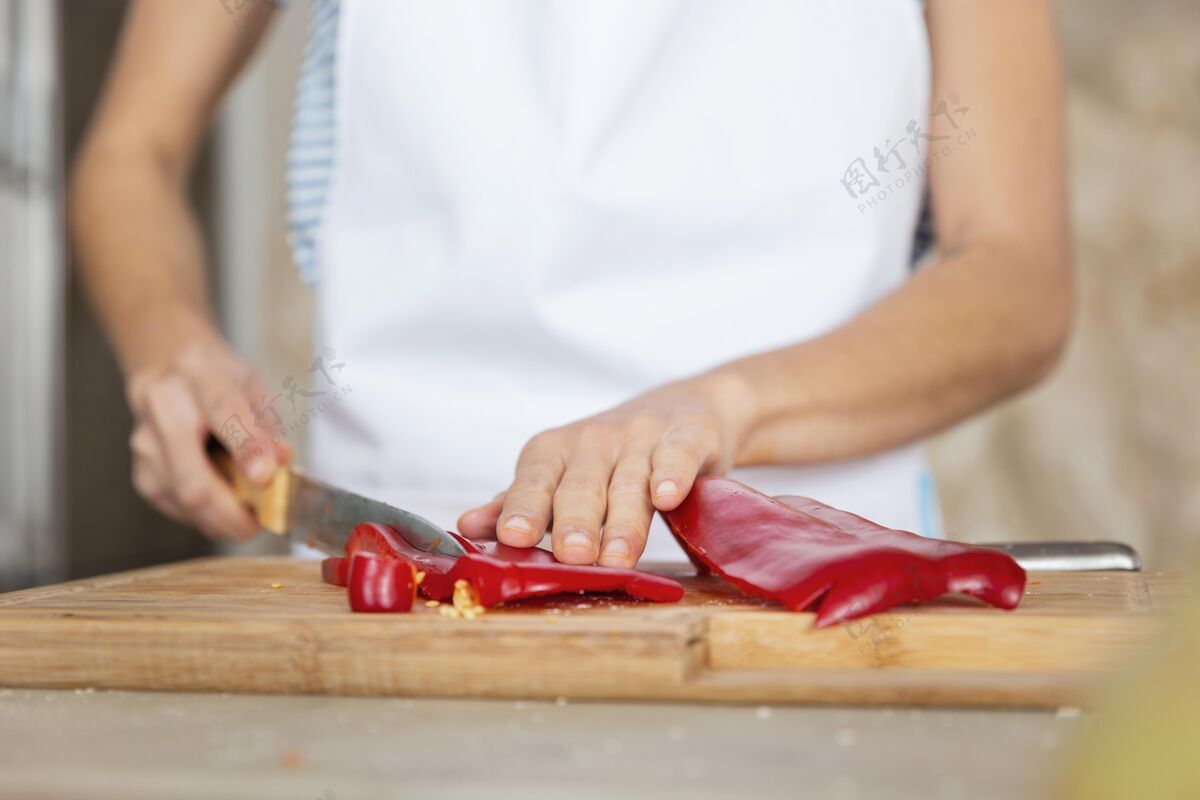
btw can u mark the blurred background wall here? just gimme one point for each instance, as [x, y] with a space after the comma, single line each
[1109, 447]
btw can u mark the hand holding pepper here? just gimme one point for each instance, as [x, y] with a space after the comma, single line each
[597, 482]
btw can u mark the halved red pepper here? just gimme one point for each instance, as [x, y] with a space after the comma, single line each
[499, 573]
[379, 584]
[807, 555]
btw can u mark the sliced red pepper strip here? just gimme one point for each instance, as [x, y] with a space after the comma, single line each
[795, 551]
[974, 571]
[380, 584]
[499, 581]
[336, 571]
[500, 573]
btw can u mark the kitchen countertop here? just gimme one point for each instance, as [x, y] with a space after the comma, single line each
[166, 746]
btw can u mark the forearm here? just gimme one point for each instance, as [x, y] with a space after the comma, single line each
[966, 331]
[988, 318]
[140, 254]
[141, 259]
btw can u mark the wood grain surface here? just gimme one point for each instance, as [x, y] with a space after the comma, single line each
[217, 625]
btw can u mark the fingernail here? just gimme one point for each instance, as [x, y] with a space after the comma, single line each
[518, 531]
[666, 489]
[518, 525]
[616, 550]
[578, 541]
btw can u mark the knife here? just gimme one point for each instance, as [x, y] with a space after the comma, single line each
[322, 516]
[1071, 556]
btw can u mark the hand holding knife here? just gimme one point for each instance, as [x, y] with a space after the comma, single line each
[318, 515]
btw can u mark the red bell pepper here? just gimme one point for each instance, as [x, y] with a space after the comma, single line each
[336, 571]
[376, 583]
[498, 573]
[807, 555]
[384, 542]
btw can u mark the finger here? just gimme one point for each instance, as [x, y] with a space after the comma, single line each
[149, 476]
[676, 462]
[525, 514]
[283, 453]
[627, 523]
[579, 505]
[263, 430]
[226, 411]
[143, 444]
[480, 522]
[154, 490]
[204, 497]
[137, 389]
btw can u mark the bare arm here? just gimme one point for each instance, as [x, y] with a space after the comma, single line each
[987, 319]
[142, 260]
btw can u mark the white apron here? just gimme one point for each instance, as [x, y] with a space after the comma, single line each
[540, 210]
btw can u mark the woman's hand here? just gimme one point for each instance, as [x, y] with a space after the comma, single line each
[204, 390]
[598, 481]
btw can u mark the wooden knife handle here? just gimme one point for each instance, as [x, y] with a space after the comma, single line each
[269, 503]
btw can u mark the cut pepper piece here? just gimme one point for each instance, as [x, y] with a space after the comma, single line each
[335, 570]
[499, 573]
[498, 581]
[807, 555]
[383, 541]
[380, 584]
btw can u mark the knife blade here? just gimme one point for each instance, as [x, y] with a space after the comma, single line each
[322, 516]
[1071, 555]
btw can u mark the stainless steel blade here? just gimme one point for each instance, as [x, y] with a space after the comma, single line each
[1072, 556]
[323, 516]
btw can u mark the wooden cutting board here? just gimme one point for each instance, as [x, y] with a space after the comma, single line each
[217, 625]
